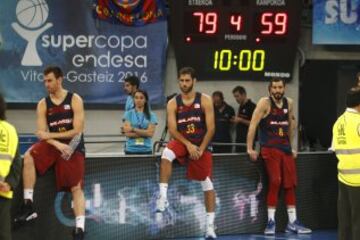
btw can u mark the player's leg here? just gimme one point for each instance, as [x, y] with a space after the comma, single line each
[173, 150]
[273, 168]
[70, 177]
[289, 183]
[79, 211]
[40, 157]
[201, 170]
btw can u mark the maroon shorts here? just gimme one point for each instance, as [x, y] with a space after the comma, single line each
[198, 169]
[69, 173]
[280, 165]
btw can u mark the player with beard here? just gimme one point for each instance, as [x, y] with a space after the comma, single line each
[275, 117]
[191, 125]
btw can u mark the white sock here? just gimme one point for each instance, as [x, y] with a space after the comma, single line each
[210, 217]
[28, 194]
[163, 189]
[80, 222]
[271, 214]
[292, 214]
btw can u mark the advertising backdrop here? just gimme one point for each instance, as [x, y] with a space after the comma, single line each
[95, 55]
[336, 22]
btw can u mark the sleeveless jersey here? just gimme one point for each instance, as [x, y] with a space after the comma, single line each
[60, 118]
[274, 128]
[191, 119]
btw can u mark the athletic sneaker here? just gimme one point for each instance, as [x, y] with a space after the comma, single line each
[270, 227]
[26, 214]
[78, 234]
[297, 227]
[161, 204]
[210, 232]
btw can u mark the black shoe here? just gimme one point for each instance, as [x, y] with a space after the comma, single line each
[26, 214]
[78, 234]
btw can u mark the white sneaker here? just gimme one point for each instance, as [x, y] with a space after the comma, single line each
[161, 204]
[210, 232]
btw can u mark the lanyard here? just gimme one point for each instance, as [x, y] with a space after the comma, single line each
[139, 121]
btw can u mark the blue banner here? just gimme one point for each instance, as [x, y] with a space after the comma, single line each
[96, 56]
[336, 22]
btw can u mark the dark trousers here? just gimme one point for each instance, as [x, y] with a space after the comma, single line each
[348, 212]
[5, 222]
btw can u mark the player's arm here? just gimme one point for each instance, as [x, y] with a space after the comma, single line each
[292, 125]
[259, 112]
[208, 109]
[172, 126]
[172, 123]
[43, 131]
[78, 121]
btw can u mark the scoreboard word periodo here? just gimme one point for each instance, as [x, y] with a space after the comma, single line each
[236, 39]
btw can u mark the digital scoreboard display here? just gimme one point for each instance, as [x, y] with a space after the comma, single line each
[236, 39]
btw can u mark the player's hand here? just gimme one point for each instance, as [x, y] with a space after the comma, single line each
[294, 153]
[252, 154]
[64, 149]
[4, 187]
[43, 135]
[193, 150]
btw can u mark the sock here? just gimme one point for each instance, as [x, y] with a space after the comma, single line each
[271, 214]
[292, 214]
[28, 194]
[80, 222]
[210, 217]
[163, 189]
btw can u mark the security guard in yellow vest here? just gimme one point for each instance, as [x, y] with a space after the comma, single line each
[346, 144]
[10, 170]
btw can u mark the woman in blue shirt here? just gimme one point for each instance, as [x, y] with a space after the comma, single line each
[139, 125]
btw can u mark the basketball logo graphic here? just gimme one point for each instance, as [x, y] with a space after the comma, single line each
[32, 13]
[32, 16]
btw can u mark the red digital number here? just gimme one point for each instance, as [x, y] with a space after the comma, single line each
[208, 22]
[236, 21]
[274, 23]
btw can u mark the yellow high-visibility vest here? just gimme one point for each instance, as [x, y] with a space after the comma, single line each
[8, 146]
[346, 143]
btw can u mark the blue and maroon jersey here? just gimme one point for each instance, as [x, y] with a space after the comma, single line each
[60, 118]
[274, 128]
[191, 119]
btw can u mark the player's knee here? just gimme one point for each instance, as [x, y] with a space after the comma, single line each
[207, 185]
[168, 155]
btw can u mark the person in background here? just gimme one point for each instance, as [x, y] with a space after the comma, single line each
[10, 170]
[223, 114]
[346, 144]
[131, 84]
[139, 125]
[276, 120]
[242, 120]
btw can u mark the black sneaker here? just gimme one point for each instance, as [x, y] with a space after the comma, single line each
[26, 214]
[78, 234]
